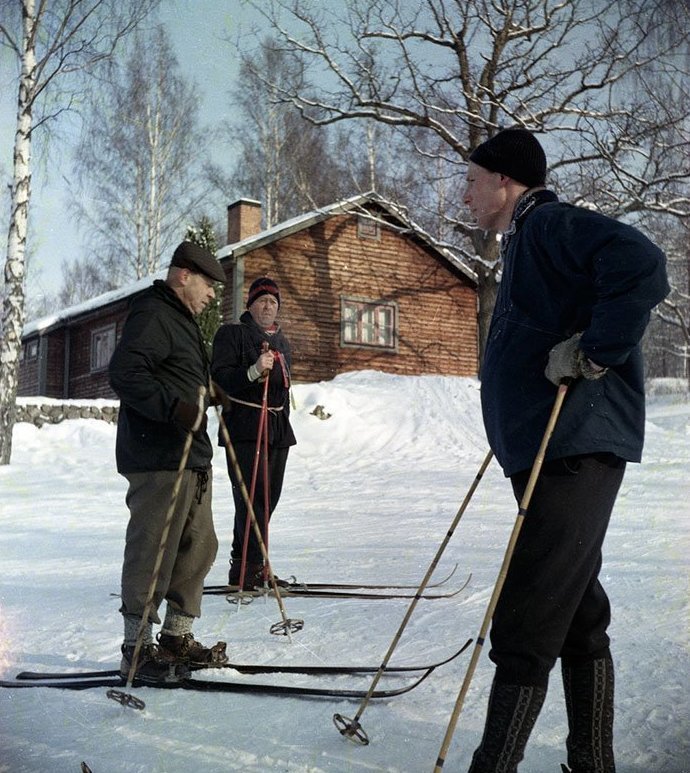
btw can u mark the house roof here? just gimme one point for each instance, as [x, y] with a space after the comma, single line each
[47, 323]
[354, 204]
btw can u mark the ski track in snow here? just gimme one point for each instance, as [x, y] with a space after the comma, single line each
[369, 495]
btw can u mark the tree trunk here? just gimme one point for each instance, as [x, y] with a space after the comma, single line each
[486, 267]
[13, 312]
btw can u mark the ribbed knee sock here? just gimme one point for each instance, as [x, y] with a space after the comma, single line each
[176, 623]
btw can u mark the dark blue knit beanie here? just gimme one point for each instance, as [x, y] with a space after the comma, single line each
[516, 153]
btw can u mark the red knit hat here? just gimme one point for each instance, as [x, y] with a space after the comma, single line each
[263, 286]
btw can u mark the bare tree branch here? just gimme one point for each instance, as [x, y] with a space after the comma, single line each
[586, 73]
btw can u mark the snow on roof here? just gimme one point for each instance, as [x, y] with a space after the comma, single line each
[292, 225]
[44, 324]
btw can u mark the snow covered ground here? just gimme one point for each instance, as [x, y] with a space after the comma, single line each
[369, 495]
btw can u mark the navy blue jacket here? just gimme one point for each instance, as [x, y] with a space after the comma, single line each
[567, 270]
[160, 359]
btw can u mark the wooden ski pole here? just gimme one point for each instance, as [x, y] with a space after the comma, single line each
[493, 601]
[287, 626]
[351, 728]
[263, 427]
[117, 695]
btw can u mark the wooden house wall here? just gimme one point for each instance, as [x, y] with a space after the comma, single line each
[74, 338]
[314, 268]
[28, 371]
[83, 382]
[55, 353]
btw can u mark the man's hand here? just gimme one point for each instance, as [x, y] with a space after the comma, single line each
[567, 360]
[264, 363]
[191, 417]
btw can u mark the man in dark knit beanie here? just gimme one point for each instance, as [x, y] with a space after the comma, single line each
[500, 170]
[264, 285]
[574, 300]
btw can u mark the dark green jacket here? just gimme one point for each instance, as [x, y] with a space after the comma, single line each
[235, 348]
[159, 360]
[568, 270]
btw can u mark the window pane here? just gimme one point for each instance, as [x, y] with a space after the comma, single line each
[368, 325]
[385, 321]
[367, 228]
[102, 347]
[349, 323]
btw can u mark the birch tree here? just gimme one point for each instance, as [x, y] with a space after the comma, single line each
[283, 161]
[139, 179]
[53, 42]
[454, 72]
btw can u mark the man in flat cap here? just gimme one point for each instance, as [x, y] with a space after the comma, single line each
[158, 370]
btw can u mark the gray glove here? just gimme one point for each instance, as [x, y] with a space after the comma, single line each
[567, 360]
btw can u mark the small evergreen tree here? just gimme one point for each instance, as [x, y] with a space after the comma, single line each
[211, 317]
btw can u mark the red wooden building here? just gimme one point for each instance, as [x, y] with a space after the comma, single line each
[361, 288]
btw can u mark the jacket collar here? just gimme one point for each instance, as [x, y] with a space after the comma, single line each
[169, 295]
[529, 200]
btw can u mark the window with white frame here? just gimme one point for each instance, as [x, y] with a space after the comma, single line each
[102, 347]
[368, 323]
[32, 350]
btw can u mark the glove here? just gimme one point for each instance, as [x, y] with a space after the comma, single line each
[187, 416]
[567, 360]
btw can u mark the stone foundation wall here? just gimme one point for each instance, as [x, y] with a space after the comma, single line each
[54, 413]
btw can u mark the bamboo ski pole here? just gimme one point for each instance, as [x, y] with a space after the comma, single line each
[117, 695]
[351, 728]
[493, 601]
[287, 626]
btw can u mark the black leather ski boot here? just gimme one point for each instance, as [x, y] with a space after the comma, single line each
[588, 691]
[151, 667]
[187, 650]
[513, 710]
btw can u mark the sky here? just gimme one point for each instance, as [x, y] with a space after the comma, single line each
[369, 496]
[198, 30]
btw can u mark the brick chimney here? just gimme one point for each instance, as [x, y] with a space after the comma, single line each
[244, 219]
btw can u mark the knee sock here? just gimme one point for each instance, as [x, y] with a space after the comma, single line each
[132, 625]
[176, 623]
